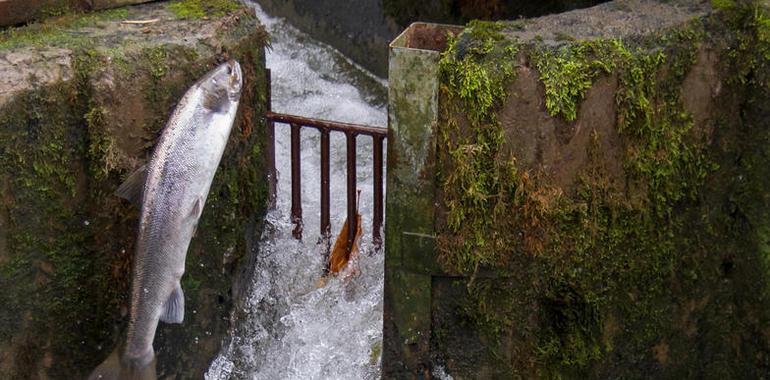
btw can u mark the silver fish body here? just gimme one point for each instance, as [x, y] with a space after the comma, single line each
[174, 190]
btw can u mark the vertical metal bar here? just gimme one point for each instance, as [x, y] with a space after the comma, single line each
[351, 173]
[325, 220]
[377, 218]
[296, 188]
[272, 176]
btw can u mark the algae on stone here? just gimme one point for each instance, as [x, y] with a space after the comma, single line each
[625, 236]
[67, 140]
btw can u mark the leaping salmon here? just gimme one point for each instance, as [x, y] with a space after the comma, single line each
[172, 189]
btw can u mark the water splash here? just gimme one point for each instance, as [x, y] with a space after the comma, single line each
[288, 327]
[440, 373]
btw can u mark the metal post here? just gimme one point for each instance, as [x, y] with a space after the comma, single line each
[351, 131]
[325, 219]
[272, 176]
[377, 218]
[351, 173]
[296, 188]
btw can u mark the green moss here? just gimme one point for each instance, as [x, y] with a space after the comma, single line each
[57, 31]
[196, 9]
[478, 64]
[101, 149]
[568, 72]
[93, 19]
[375, 353]
[42, 145]
[55, 9]
[752, 48]
[662, 151]
[475, 69]
[603, 251]
[158, 62]
[35, 35]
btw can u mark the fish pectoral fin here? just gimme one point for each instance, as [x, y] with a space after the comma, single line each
[173, 309]
[195, 213]
[132, 188]
[197, 208]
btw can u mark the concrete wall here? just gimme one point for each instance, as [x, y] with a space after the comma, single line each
[82, 101]
[581, 196]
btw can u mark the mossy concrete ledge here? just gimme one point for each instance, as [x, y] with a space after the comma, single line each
[16, 12]
[583, 195]
[82, 100]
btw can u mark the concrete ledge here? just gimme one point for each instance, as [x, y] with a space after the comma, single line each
[15, 12]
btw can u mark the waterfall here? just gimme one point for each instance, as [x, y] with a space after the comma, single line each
[288, 327]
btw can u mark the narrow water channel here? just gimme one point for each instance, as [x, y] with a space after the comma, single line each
[288, 327]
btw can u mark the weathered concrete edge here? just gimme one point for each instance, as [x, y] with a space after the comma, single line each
[14, 12]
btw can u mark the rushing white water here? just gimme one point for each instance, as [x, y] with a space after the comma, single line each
[288, 327]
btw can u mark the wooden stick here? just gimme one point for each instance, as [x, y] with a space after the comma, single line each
[140, 22]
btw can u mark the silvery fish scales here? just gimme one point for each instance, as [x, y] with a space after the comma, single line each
[172, 189]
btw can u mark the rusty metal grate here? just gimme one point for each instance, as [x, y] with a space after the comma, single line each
[325, 127]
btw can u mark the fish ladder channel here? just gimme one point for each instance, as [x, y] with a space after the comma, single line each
[287, 324]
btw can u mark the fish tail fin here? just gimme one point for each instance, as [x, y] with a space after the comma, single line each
[113, 368]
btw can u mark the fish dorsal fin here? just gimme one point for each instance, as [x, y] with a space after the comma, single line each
[173, 309]
[133, 187]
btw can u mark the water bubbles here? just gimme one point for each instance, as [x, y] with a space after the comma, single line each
[287, 327]
[440, 373]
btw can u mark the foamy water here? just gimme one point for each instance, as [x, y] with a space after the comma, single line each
[288, 327]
